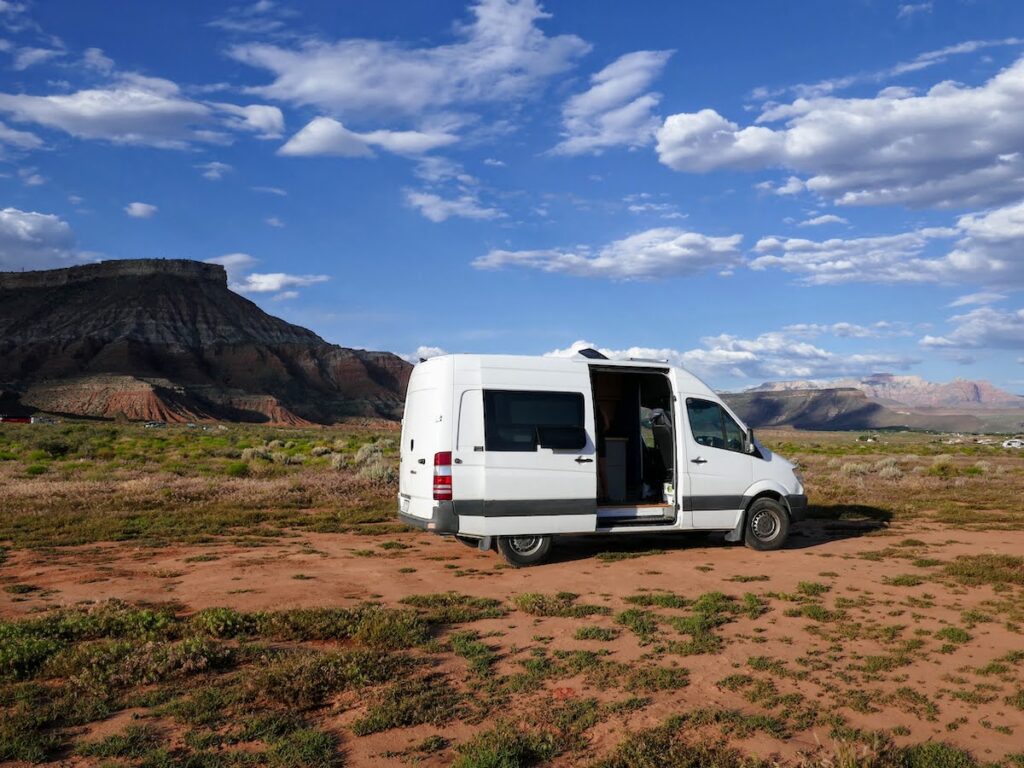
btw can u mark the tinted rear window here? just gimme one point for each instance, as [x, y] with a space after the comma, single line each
[511, 418]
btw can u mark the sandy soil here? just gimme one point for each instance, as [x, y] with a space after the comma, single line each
[329, 569]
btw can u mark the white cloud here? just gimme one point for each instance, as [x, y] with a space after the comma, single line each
[652, 254]
[952, 145]
[271, 282]
[274, 221]
[242, 280]
[271, 191]
[140, 210]
[94, 58]
[258, 18]
[987, 250]
[30, 177]
[435, 170]
[424, 353]
[138, 110]
[846, 330]
[986, 297]
[326, 136]
[267, 122]
[135, 110]
[616, 110]
[828, 218]
[214, 170]
[285, 296]
[500, 55]
[920, 62]
[29, 57]
[772, 355]
[438, 209]
[493, 162]
[908, 10]
[31, 240]
[983, 327]
[19, 139]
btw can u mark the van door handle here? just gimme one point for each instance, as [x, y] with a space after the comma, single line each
[458, 461]
[698, 460]
[422, 461]
[581, 460]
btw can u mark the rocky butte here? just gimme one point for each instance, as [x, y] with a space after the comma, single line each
[168, 340]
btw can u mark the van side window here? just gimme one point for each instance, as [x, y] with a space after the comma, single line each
[511, 418]
[712, 426]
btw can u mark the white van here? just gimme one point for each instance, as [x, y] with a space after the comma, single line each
[509, 450]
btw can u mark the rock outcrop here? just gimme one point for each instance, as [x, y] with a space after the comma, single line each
[167, 340]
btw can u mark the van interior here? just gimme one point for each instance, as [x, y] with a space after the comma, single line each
[636, 445]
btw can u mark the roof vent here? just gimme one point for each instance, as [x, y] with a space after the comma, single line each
[591, 354]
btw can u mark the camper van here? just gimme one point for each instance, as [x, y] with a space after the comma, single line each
[511, 451]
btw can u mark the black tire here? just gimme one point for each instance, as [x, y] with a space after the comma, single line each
[767, 525]
[521, 551]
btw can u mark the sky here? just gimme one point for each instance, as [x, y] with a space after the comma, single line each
[755, 191]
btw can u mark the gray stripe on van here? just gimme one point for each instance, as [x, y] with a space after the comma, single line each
[545, 507]
[525, 507]
[712, 503]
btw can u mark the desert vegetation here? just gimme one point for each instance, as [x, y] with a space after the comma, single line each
[244, 596]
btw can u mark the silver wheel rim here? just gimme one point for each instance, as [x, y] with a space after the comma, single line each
[525, 545]
[765, 525]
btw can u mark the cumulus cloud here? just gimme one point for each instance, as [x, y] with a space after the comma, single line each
[140, 210]
[326, 136]
[32, 240]
[908, 10]
[986, 248]
[214, 170]
[241, 278]
[773, 355]
[438, 209]
[984, 297]
[984, 327]
[29, 57]
[424, 353]
[266, 121]
[138, 110]
[952, 145]
[501, 54]
[651, 254]
[617, 110]
[828, 218]
[19, 139]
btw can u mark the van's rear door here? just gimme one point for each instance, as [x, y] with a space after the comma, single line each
[426, 431]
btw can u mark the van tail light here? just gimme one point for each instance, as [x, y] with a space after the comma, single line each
[443, 476]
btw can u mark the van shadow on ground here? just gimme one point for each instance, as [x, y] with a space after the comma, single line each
[828, 523]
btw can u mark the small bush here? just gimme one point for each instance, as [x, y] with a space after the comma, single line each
[237, 469]
[36, 469]
[604, 634]
[561, 604]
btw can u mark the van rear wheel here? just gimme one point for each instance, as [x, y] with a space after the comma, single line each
[767, 525]
[520, 551]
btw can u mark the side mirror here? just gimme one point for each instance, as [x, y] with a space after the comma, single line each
[748, 445]
[562, 438]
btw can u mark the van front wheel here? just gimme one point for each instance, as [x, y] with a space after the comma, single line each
[520, 551]
[767, 525]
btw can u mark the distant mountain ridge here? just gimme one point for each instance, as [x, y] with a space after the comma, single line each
[167, 339]
[912, 391]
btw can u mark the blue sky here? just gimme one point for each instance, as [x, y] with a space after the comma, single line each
[754, 190]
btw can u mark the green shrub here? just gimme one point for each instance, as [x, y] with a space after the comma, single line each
[237, 469]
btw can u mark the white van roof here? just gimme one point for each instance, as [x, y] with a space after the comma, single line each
[686, 381]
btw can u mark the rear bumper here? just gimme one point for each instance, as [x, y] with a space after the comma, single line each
[443, 520]
[797, 506]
